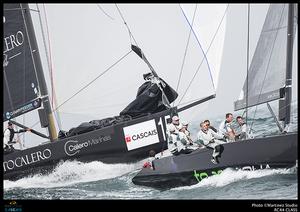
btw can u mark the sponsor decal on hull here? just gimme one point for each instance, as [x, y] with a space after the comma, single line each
[200, 175]
[140, 135]
[27, 159]
[72, 147]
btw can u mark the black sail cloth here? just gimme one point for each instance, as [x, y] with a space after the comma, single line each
[149, 99]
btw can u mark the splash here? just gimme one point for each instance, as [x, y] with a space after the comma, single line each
[73, 172]
[230, 175]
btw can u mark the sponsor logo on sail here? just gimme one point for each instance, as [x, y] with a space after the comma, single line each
[11, 42]
[27, 159]
[140, 135]
[28, 107]
[72, 147]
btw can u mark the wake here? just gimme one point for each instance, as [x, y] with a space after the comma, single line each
[230, 175]
[73, 172]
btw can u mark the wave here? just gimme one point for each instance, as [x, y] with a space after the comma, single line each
[230, 175]
[72, 172]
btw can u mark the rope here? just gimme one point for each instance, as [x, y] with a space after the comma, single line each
[185, 51]
[205, 55]
[267, 68]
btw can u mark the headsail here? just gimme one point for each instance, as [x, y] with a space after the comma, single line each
[266, 75]
[209, 28]
[20, 89]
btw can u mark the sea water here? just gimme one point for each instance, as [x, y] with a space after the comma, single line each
[96, 180]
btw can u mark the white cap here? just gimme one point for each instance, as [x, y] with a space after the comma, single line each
[184, 123]
[175, 118]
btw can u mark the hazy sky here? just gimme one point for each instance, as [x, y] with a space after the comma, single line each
[85, 41]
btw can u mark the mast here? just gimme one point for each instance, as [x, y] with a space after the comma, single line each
[289, 61]
[40, 76]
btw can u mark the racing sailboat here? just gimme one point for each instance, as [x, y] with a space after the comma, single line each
[128, 137]
[269, 78]
[120, 139]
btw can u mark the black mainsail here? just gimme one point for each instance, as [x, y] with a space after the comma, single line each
[24, 82]
[20, 89]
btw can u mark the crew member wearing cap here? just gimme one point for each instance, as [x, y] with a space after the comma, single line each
[177, 139]
[185, 130]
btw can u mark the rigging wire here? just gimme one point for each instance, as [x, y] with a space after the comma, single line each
[49, 60]
[88, 84]
[197, 70]
[101, 74]
[54, 100]
[129, 31]
[267, 69]
[185, 51]
[100, 8]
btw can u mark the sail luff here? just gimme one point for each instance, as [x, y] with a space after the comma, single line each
[40, 75]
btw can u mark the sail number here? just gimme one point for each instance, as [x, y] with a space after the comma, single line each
[162, 126]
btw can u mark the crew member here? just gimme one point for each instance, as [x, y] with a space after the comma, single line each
[9, 133]
[210, 139]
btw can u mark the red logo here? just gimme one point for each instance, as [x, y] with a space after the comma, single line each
[127, 138]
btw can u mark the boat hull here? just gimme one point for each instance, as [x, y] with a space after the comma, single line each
[188, 169]
[122, 143]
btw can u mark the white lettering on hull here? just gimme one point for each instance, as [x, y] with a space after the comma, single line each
[27, 159]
